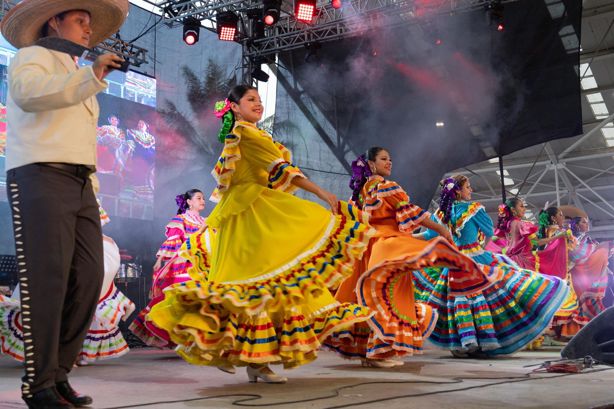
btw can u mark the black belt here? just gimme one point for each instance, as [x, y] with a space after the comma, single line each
[81, 171]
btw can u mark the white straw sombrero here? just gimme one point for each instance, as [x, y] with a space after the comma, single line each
[23, 24]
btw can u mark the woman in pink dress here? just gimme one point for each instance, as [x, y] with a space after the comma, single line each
[553, 260]
[170, 268]
[517, 238]
[589, 272]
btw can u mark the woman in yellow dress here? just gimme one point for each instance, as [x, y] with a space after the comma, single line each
[274, 257]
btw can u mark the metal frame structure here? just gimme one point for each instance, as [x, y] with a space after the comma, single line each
[329, 24]
[554, 178]
[137, 56]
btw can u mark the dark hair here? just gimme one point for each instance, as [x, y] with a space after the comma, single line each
[506, 215]
[60, 16]
[182, 200]
[545, 219]
[450, 187]
[573, 225]
[361, 171]
[228, 120]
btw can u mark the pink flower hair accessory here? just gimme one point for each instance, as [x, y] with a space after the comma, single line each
[221, 107]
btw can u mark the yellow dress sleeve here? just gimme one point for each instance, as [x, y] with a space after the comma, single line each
[259, 148]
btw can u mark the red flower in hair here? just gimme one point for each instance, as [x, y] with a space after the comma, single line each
[502, 210]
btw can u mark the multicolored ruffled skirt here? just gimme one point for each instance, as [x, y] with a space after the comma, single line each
[384, 284]
[11, 331]
[267, 299]
[497, 320]
[173, 272]
[104, 339]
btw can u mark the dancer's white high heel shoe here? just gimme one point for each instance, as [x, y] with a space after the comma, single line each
[265, 374]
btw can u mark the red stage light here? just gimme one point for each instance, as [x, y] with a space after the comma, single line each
[227, 33]
[191, 30]
[500, 27]
[269, 20]
[270, 11]
[336, 4]
[189, 39]
[227, 25]
[438, 41]
[304, 10]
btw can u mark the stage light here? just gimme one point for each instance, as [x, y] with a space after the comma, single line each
[260, 75]
[227, 22]
[257, 73]
[495, 14]
[336, 4]
[304, 10]
[270, 11]
[191, 30]
[440, 124]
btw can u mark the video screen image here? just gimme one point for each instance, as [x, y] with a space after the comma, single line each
[126, 140]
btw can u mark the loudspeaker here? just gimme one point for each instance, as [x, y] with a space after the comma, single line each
[595, 339]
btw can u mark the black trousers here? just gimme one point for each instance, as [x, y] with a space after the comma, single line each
[58, 243]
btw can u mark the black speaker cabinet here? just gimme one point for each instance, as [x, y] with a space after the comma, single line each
[595, 339]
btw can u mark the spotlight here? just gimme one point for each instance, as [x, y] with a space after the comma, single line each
[191, 30]
[257, 73]
[270, 11]
[336, 4]
[495, 14]
[258, 29]
[227, 22]
[304, 10]
[312, 50]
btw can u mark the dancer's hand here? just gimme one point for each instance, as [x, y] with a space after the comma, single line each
[105, 63]
[329, 198]
[448, 236]
[202, 229]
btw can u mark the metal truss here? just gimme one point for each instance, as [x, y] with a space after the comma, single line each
[137, 56]
[556, 178]
[354, 18]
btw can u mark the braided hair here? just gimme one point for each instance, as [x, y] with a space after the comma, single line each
[182, 200]
[228, 118]
[361, 172]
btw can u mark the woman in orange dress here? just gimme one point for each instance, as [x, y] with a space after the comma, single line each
[383, 281]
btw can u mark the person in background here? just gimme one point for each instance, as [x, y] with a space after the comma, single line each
[170, 267]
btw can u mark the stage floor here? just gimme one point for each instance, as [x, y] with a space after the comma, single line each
[158, 379]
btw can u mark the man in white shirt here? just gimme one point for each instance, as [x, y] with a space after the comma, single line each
[52, 114]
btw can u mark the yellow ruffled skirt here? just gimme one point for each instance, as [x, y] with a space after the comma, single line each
[266, 299]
